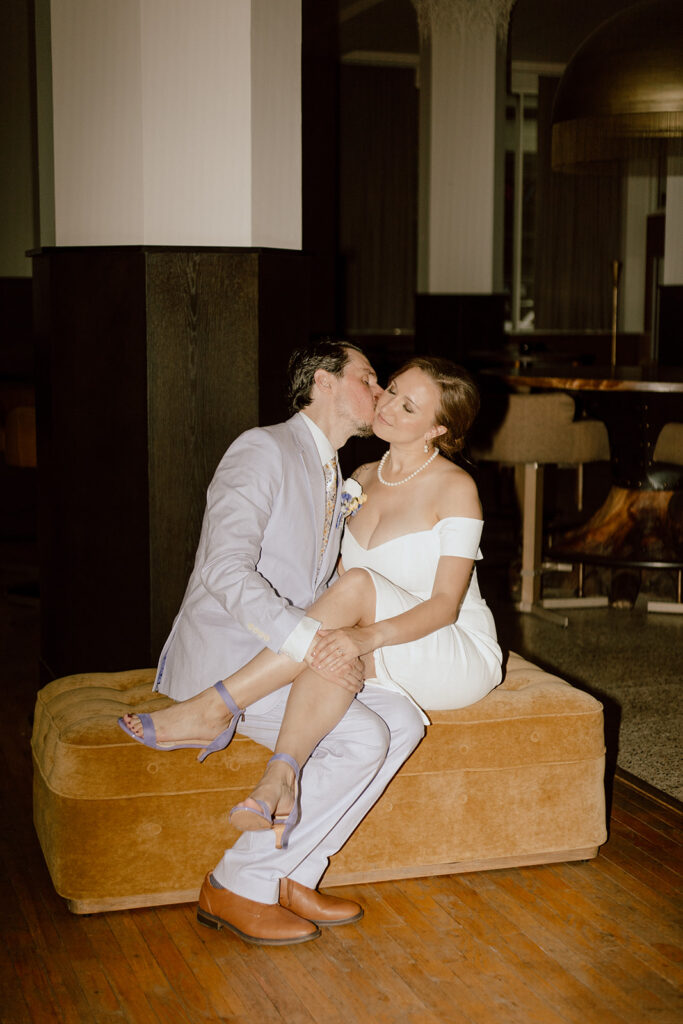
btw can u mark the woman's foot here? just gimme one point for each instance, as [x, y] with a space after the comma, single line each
[274, 801]
[205, 721]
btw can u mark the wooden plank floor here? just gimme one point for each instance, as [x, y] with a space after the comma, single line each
[559, 944]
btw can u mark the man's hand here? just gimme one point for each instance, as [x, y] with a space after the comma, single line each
[333, 648]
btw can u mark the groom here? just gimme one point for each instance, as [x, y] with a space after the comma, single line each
[268, 547]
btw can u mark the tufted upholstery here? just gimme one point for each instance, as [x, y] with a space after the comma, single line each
[516, 778]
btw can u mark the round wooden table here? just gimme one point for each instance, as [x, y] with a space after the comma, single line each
[640, 524]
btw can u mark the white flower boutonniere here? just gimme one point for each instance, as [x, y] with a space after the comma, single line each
[352, 499]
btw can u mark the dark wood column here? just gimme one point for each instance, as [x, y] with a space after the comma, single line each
[670, 345]
[150, 361]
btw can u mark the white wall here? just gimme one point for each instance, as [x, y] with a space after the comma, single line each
[673, 230]
[276, 123]
[177, 122]
[97, 122]
[459, 251]
[639, 200]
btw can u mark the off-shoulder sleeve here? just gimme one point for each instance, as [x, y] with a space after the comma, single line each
[460, 536]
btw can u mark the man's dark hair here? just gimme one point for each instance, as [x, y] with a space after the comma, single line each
[330, 354]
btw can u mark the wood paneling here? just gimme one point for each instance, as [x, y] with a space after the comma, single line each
[286, 280]
[202, 391]
[91, 387]
[16, 333]
[150, 362]
[671, 325]
[459, 326]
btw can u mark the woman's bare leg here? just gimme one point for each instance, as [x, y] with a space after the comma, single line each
[314, 706]
[200, 719]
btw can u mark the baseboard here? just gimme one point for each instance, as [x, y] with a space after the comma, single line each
[658, 795]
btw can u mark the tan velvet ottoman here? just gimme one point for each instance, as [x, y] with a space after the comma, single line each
[515, 779]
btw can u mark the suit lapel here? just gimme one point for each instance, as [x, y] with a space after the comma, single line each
[315, 492]
[316, 496]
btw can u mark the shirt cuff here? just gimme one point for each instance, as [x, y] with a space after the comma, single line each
[299, 640]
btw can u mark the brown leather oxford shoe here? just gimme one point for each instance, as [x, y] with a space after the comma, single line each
[318, 907]
[264, 924]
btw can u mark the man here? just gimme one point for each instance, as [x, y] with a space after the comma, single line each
[268, 547]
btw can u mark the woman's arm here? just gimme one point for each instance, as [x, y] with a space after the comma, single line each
[440, 609]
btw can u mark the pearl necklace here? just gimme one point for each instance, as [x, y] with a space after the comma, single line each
[397, 483]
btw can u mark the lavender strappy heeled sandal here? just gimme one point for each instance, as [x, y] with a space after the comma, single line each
[149, 736]
[250, 819]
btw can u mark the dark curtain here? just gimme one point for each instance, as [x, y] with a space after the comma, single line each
[578, 235]
[378, 197]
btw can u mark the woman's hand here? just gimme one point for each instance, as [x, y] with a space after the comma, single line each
[333, 648]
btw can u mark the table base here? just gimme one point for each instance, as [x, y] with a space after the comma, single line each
[632, 530]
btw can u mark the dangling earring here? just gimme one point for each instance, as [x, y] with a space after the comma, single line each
[426, 447]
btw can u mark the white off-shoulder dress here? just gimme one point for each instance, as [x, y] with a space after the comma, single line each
[456, 665]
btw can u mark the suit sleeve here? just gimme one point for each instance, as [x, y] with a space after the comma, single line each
[240, 503]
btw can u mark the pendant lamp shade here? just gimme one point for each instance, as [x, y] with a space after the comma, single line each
[621, 94]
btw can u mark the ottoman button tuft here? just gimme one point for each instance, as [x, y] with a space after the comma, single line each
[149, 828]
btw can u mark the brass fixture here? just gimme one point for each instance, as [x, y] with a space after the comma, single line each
[621, 94]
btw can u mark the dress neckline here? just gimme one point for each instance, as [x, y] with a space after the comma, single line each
[414, 533]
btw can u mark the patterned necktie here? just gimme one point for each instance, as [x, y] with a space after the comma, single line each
[330, 470]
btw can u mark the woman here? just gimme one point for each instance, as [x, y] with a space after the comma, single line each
[406, 602]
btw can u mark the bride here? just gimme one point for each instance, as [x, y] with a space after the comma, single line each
[406, 601]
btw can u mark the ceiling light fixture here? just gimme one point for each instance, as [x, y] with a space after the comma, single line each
[621, 94]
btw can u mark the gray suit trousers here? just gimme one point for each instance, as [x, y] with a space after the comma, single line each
[343, 778]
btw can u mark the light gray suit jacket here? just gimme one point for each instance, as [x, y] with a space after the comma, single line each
[256, 567]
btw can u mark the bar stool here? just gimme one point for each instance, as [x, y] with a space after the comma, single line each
[539, 430]
[669, 447]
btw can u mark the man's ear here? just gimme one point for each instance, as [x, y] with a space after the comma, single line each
[322, 379]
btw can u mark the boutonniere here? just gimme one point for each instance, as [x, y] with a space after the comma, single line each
[352, 499]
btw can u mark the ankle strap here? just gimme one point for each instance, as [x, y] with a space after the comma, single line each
[288, 760]
[238, 713]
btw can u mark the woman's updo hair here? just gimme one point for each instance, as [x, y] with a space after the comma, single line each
[459, 402]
